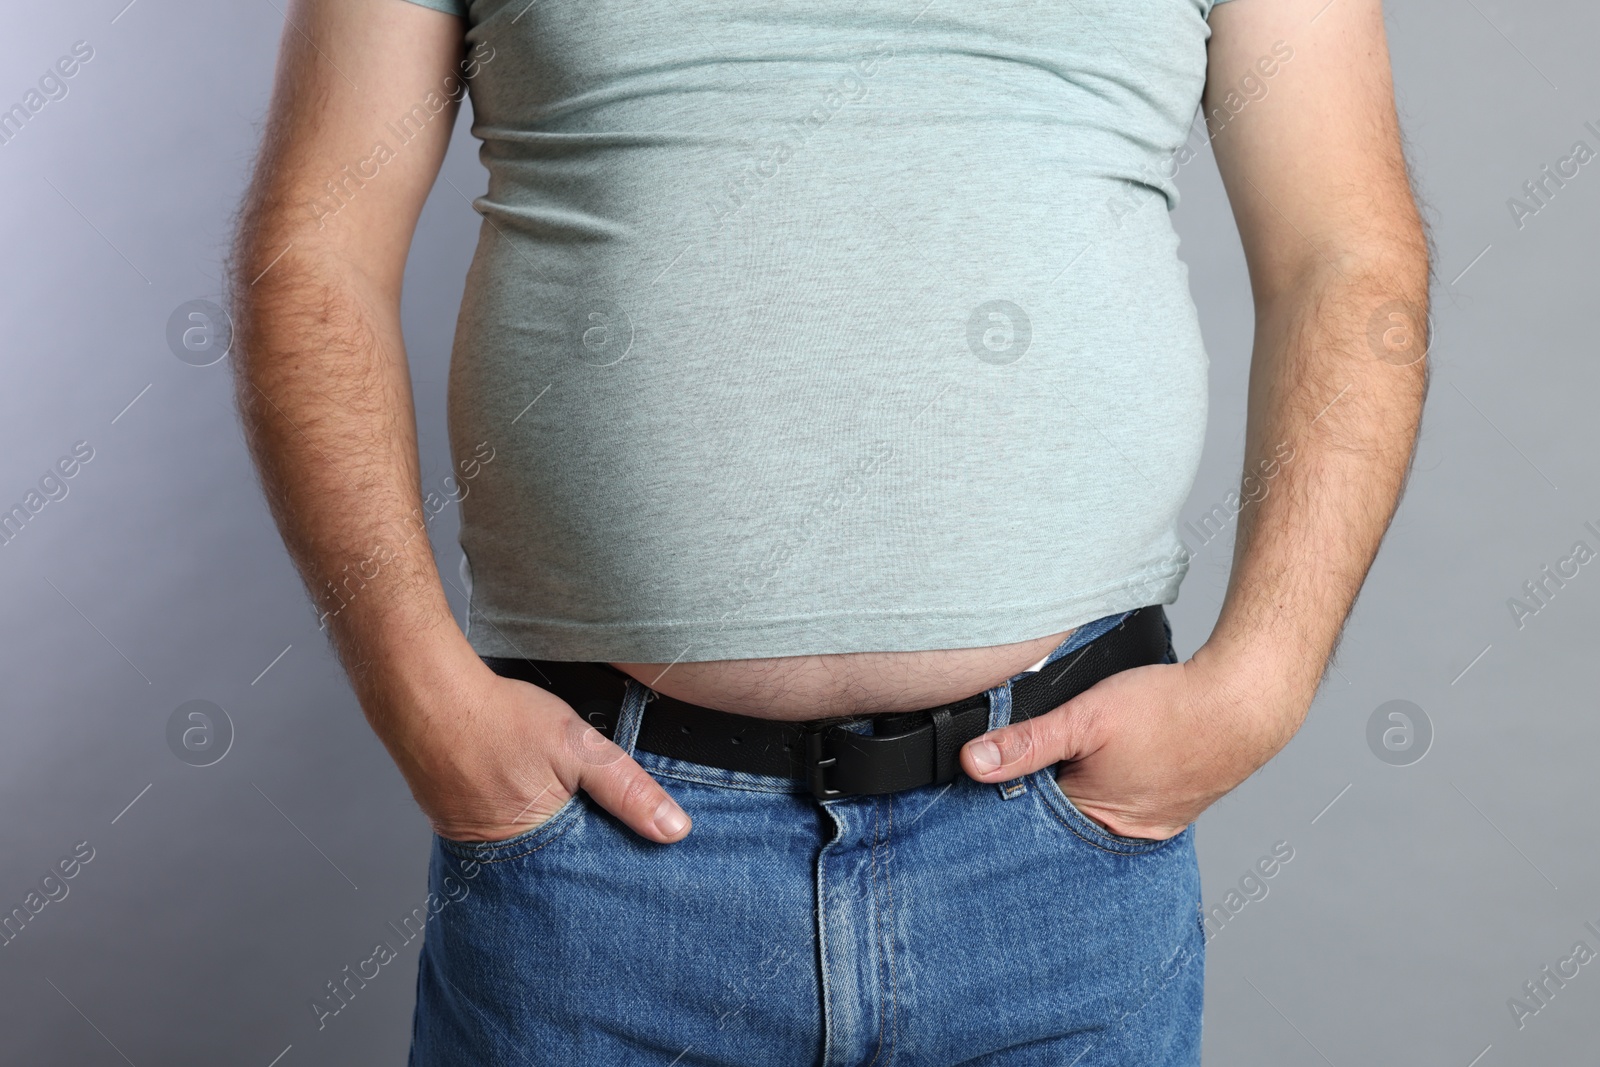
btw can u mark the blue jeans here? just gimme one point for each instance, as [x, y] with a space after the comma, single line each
[972, 924]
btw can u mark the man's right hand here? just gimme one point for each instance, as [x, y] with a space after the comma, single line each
[324, 392]
[488, 758]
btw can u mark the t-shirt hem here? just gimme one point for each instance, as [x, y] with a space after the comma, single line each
[449, 7]
[829, 633]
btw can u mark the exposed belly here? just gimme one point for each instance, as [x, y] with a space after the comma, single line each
[854, 683]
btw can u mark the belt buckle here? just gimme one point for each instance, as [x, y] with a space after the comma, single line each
[818, 761]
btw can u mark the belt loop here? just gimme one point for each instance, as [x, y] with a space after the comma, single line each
[1000, 715]
[999, 706]
[634, 696]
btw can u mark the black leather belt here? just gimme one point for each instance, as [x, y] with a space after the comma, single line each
[905, 750]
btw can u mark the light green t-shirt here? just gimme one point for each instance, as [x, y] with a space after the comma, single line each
[824, 326]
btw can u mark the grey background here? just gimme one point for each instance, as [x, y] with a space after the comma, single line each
[222, 899]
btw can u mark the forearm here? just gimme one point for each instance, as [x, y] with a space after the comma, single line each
[315, 276]
[1335, 401]
[324, 393]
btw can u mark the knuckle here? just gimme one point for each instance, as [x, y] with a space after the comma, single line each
[638, 791]
[1077, 726]
[594, 748]
[1022, 741]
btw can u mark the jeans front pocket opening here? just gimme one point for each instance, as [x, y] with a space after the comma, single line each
[1081, 826]
[518, 845]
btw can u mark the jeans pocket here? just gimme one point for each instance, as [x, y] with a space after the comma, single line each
[1065, 812]
[520, 844]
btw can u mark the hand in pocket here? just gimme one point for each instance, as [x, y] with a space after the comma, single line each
[488, 758]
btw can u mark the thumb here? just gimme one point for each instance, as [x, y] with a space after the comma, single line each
[1023, 747]
[616, 782]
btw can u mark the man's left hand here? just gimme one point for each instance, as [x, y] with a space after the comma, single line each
[1146, 750]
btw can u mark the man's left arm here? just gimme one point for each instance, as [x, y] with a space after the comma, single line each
[1339, 272]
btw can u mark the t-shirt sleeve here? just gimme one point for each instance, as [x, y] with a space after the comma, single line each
[449, 7]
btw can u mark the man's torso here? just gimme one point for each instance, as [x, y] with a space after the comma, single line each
[834, 357]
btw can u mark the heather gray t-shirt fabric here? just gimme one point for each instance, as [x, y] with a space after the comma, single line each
[824, 326]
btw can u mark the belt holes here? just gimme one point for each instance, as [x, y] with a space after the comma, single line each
[683, 729]
[736, 739]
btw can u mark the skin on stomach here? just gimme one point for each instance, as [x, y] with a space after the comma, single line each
[852, 683]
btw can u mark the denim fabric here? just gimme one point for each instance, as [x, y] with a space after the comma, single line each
[965, 923]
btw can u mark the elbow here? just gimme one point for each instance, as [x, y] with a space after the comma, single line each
[1389, 269]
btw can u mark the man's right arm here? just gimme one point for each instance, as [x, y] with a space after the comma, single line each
[324, 393]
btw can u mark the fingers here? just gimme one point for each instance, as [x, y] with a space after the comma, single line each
[617, 783]
[1022, 748]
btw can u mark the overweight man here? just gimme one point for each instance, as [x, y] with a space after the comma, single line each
[825, 393]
